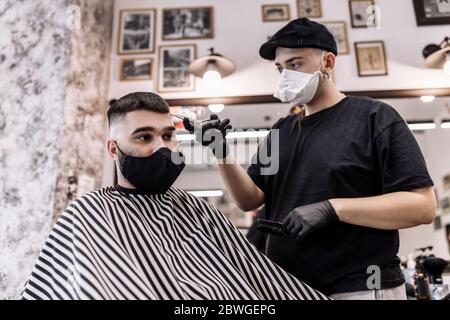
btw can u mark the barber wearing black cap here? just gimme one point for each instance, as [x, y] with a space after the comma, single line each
[350, 175]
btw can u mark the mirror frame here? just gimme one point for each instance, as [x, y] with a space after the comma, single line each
[376, 94]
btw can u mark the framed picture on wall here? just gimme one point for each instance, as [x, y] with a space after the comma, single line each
[339, 30]
[173, 68]
[447, 233]
[361, 12]
[437, 223]
[136, 31]
[136, 69]
[276, 12]
[309, 8]
[446, 182]
[371, 58]
[445, 205]
[432, 12]
[188, 23]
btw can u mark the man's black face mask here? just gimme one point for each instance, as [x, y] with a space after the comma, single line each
[154, 174]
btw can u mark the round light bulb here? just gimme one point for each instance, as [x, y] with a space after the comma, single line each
[447, 67]
[427, 98]
[212, 76]
[216, 108]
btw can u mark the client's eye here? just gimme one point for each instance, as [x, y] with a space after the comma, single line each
[144, 138]
[168, 136]
[280, 69]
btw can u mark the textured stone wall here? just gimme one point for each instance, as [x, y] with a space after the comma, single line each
[53, 83]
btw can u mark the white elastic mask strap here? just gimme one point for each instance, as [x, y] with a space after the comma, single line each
[321, 59]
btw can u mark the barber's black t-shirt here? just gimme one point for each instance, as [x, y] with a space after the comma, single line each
[357, 148]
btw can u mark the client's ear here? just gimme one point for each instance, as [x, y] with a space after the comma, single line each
[112, 149]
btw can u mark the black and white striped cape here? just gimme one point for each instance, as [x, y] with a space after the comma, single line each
[113, 244]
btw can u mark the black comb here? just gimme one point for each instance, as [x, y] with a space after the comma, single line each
[270, 226]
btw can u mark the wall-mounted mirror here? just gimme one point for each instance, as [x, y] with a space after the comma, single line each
[429, 121]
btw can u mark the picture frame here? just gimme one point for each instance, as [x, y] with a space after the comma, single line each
[136, 31]
[188, 23]
[136, 69]
[437, 223]
[431, 12]
[445, 205]
[446, 182]
[309, 8]
[339, 31]
[436, 195]
[173, 68]
[447, 234]
[371, 58]
[358, 12]
[275, 12]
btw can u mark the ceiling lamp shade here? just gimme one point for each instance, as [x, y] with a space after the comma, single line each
[438, 56]
[212, 62]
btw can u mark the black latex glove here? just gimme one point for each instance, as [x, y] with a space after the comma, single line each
[306, 219]
[211, 133]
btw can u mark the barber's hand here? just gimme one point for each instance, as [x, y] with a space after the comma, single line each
[211, 133]
[306, 219]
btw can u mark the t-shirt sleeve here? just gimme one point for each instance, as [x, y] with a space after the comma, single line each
[256, 170]
[401, 162]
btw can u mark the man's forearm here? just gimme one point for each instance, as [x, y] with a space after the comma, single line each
[243, 190]
[397, 210]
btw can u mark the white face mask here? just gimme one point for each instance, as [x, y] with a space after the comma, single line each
[297, 87]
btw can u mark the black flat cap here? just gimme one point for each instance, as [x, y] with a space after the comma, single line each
[299, 33]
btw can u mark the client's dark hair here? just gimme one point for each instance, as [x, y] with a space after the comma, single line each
[136, 101]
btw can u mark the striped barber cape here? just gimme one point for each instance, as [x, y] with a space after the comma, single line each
[117, 243]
